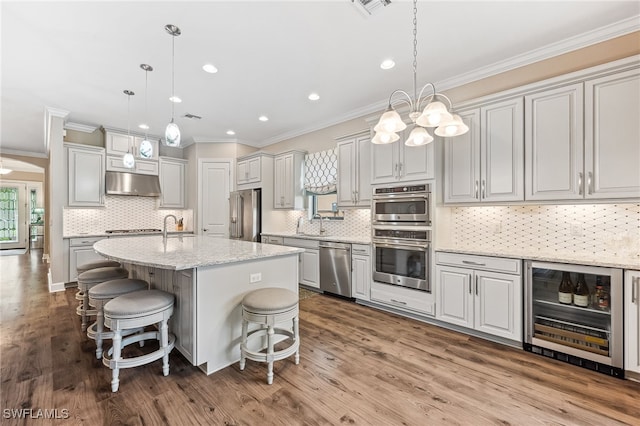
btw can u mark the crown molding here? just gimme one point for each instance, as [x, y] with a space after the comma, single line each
[86, 128]
[4, 151]
[49, 114]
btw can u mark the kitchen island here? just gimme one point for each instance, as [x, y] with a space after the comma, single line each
[209, 277]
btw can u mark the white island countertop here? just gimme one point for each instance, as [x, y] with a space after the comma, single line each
[187, 251]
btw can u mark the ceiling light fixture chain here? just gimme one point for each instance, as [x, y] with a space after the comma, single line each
[435, 113]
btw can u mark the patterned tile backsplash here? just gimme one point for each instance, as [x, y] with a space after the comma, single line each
[594, 229]
[121, 212]
[356, 223]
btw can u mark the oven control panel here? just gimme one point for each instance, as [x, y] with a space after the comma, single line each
[405, 234]
[415, 189]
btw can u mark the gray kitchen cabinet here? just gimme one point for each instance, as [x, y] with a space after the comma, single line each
[403, 298]
[632, 324]
[481, 293]
[354, 171]
[288, 186]
[309, 261]
[271, 239]
[396, 162]
[85, 175]
[184, 313]
[487, 163]
[361, 271]
[80, 252]
[120, 143]
[612, 136]
[172, 182]
[554, 144]
[248, 170]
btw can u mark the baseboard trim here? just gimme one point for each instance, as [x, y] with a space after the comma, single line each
[54, 287]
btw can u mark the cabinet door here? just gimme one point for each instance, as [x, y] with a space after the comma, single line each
[309, 268]
[346, 174]
[416, 161]
[287, 181]
[85, 178]
[384, 163]
[242, 172]
[612, 150]
[363, 171]
[253, 170]
[361, 277]
[502, 151]
[454, 295]
[462, 162]
[80, 256]
[632, 322]
[278, 182]
[498, 304]
[554, 144]
[118, 144]
[184, 314]
[172, 179]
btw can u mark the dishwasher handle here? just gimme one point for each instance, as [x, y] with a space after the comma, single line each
[338, 246]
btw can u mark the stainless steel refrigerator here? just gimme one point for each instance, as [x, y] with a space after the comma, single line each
[245, 220]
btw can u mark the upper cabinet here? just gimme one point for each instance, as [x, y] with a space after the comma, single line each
[487, 163]
[172, 182]
[612, 136]
[288, 186]
[145, 152]
[252, 170]
[354, 171]
[396, 162]
[85, 175]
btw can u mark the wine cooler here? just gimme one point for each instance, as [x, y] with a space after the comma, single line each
[574, 314]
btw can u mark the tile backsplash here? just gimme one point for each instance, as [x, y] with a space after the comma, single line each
[121, 212]
[356, 223]
[592, 229]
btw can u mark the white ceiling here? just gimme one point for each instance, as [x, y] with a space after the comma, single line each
[80, 56]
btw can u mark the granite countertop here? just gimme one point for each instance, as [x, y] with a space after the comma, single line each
[186, 252]
[334, 238]
[609, 260]
[122, 234]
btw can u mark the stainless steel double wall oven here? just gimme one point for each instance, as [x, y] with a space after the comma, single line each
[401, 221]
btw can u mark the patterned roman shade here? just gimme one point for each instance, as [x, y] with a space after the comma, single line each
[321, 172]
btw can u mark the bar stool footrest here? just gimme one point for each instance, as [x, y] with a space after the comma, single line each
[142, 359]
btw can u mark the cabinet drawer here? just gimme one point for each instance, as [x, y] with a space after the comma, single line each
[302, 243]
[360, 249]
[482, 263]
[272, 240]
[88, 241]
[403, 298]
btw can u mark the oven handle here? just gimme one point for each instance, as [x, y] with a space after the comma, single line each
[403, 197]
[386, 244]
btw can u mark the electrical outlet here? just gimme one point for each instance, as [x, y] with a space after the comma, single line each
[576, 230]
[254, 278]
[497, 227]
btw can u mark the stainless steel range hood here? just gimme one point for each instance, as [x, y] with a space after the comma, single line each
[120, 183]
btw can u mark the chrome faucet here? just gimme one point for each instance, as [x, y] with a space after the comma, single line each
[164, 227]
[322, 230]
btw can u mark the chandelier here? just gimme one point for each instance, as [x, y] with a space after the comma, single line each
[435, 113]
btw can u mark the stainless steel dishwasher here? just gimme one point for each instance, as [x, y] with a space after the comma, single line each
[335, 268]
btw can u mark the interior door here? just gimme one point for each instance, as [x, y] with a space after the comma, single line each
[13, 215]
[214, 183]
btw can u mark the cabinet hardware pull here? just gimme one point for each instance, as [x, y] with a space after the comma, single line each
[398, 301]
[468, 262]
[580, 190]
[590, 183]
[476, 285]
[476, 192]
[395, 173]
[469, 283]
[400, 172]
[357, 196]
[634, 284]
[484, 189]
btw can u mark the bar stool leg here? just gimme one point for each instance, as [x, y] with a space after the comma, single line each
[243, 358]
[270, 333]
[99, 329]
[85, 307]
[117, 348]
[164, 341]
[295, 339]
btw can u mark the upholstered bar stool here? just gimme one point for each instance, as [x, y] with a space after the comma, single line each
[94, 264]
[268, 307]
[131, 311]
[91, 278]
[101, 294]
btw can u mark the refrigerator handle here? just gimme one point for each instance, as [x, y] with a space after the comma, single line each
[239, 208]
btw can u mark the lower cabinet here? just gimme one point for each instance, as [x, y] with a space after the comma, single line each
[402, 298]
[632, 324]
[80, 252]
[360, 271]
[480, 293]
[309, 261]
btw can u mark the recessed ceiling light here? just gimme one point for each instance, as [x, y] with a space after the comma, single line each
[210, 68]
[314, 97]
[263, 118]
[143, 126]
[175, 99]
[387, 64]
[231, 132]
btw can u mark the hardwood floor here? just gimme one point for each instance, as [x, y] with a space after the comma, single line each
[357, 366]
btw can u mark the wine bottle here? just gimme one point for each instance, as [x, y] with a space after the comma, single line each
[602, 295]
[565, 290]
[581, 295]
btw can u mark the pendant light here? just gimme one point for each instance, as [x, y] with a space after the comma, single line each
[146, 148]
[435, 113]
[128, 160]
[172, 132]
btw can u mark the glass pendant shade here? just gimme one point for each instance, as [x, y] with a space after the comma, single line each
[382, 138]
[434, 114]
[172, 134]
[453, 127]
[145, 149]
[390, 122]
[128, 161]
[419, 136]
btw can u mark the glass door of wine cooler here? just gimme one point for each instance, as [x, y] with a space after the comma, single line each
[575, 313]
